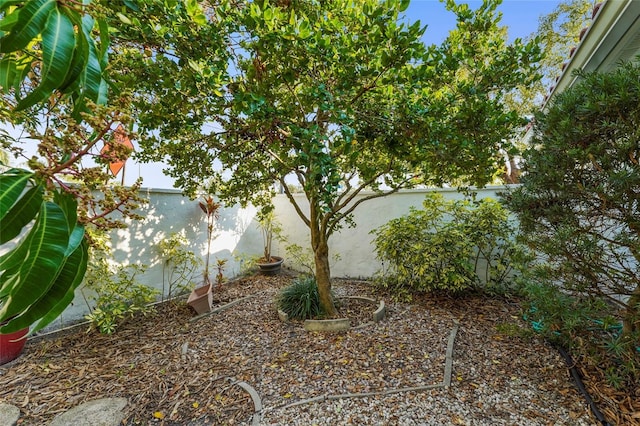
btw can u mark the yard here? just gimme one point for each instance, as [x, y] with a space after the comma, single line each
[176, 371]
[342, 112]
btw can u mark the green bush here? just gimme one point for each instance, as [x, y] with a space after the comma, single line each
[585, 325]
[300, 300]
[578, 210]
[116, 293]
[179, 265]
[448, 245]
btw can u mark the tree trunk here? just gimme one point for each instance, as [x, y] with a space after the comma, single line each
[631, 320]
[323, 277]
[320, 248]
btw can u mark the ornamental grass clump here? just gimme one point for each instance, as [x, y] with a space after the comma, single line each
[300, 300]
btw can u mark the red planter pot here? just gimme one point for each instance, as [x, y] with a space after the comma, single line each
[11, 345]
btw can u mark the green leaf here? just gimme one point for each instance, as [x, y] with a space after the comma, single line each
[6, 3]
[60, 295]
[12, 184]
[26, 282]
[196, 13]
[7, 74]
[31, 21]
[304, 29]
[131, 5]
[80, 53]
[404, 4]
[9, 21]
[93, 71]
[58, 45]
[22, 212]
[103, 54]
[69, 206]
[123, 18]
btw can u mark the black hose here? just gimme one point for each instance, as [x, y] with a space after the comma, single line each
[576, 377]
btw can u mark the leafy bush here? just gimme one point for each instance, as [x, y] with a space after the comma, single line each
[300, 300]
[117, 294]
[179, 265]
[585, 325]
[448, 245]
[578, 209]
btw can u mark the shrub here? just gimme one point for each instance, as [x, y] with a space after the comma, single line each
[117, 294]
[585, 325]
[578, 209]
[448, 245]
[300, 300]
[179, 266]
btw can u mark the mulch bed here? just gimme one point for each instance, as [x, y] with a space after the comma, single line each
[175, 370]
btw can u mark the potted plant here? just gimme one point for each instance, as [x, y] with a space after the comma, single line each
[44, 211]
[44, 258]
[12, 344]
[201, 298]
[269, 227]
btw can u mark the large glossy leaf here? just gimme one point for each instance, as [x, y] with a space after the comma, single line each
[104, 43]
[9, 262]
[31, 21]
[93, 70]
[22, 212]
[58, 45]
[73, 77]
[12, 184]
[32, 278]
[60, 295]
[7, 74]
[69, 206]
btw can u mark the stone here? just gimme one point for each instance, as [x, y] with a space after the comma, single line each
[380, 313]
[9, 414]
[339, 324]
[99, 412]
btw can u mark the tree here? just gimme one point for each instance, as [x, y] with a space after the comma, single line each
[578, 205]
[53, 84]
[557, 33]
[342, 98]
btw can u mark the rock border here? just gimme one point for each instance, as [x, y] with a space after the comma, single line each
[255, 397]
[341, 324]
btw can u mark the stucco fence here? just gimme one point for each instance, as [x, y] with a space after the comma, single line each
[238, 236]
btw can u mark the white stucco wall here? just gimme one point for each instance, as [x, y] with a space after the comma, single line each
[237, 234]
[351, 250]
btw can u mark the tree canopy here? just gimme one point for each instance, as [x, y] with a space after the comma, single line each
[558, 32]
[339, 97]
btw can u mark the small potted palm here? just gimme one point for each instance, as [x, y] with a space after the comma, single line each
[201, 298]
[270, 228]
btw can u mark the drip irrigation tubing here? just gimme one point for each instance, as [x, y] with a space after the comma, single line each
[580, 385]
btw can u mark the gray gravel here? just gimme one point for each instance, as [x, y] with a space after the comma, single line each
[497, 378]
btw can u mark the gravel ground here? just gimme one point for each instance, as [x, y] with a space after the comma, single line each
[175, 371]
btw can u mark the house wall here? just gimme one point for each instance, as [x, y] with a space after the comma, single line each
[238, 236]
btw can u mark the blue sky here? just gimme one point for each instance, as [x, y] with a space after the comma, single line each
[520, 16]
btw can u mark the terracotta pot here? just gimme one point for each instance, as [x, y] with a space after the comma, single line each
[270, 268]
[11, 345]
[199, 300]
